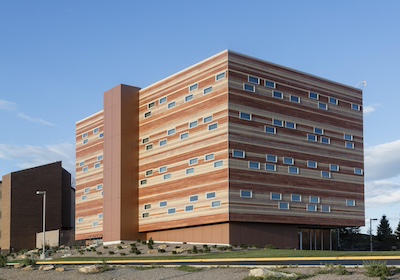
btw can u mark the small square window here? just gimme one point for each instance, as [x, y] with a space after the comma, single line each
[333, 101]
[296, 198]
[219, 163]
[97, 165]
[248, 87]
[210, 195]
[194, 198]
[96, 130]
[270, 129]
[100, 157]
[348, 137]
[358, 171]
[95, 224]
[318, 130]
[322, 106]
[276, 196]
[190, 171]
[207, 119]
[313, 95]
[163, 204]
[184, 135]
[311, 208]
[209, 157]
[147, 114]
[149, 173]
[283, 205]
[82, 163]
[193, 161]
[246, 194]
[290, 125]
[145, 140]
[151, 105]
[162, 169]
[171, 105]
[325, 209]
[293, 170]
[99, 187]
[277, 122]
[85, 169]
[326, 174]
[271, 158]
[295, 99]
[287, 160]
[163, 142]
[349, 145]
[270, 167]
[85, 141]
[238, 154]
[189, 98]
[220, 76]
[325, 140]
[207, 90]
[171, 131]
[254, 80]
[269, 84]
[143, 182]
[162, 100]
[334, 167]
[215, 204]
[254, 165]
[193, 87]
[193, 124]
[87, 190]
[355, 107]
[145, 215]
[149, 147]
[312, 164]
[314, 199]
[80, 220]
[312, 137]
[213, 126]
[171, 210]
[147, 206]
[277, 94]
[85, 135]
[245, 116]
[101, 135]
[167, 176]
[189, 208]
[350, 202]
[84, 197]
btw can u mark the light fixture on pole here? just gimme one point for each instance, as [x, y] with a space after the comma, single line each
[43, 255]
[370, 232]
[363, 83]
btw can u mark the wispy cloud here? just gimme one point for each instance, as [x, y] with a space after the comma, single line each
[382, 161]
[35, 120]
[382, 193]
[7, 105]
[370, 108]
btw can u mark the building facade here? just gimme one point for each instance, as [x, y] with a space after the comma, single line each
[233, 150]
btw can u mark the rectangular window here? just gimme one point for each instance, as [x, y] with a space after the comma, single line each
[171, 105]
[96, 130]
[334, 167]
[149, 172]
[207, 90]
[254, 80]
[147, 206]
[167, 176]
[312, 164]
[245, 116]
[190, 171]
[219, 163]
[325, 140]
[350, 202]
[85, 169]
[283, 205]
[293, 170]
[193, 87]
[193, 124]
[210, 195]
[312, 137]
[85, 141]
[163, 204]
[101, 135]
[143, 182]
[207, 119]
[189, 98]
[295, 99]
[147, 114]
[194, 198]
[87, 190]
[358, 171]
[162, 169]
[215, 204]
[348, 137]
[246, 194]
[100, 157]
[277, 122]
[84, 197]
[314, 199]
[325, 208]
[95, 224]
[349, 145]
[238, 154]
[209, 157]
[171, 211]
[189, 208]
[184, 135]
[99, 187]
[270, 129]
[163, 142]
[85, 135]
[145, 140]
[248, 87]
[322, 106]
[277, 94]
[318, 130]
[271, 158]
[149, 147]
[290, 125]
[80, 220]
[270, 167]
[355, 107]
[193, 161]
[82, 163]
[220, 76]
[145, 215]
[313, 95]
[311, 208]
[333, 101]
[171, 131]
[296, 198]
[151, 105]
[254, 165]
[269, 84]
[326, 174]
[287, 160]
[162, 100]
[97, 165]
[276, 196]
[213, 126]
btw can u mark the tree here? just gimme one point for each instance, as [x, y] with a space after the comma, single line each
[385, 235]
[397, 232]
[349, 238]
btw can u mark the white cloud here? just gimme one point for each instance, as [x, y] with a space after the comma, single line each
[370, 108]
[382, 161]
[35, 120]
[382, 193]
[7, 105]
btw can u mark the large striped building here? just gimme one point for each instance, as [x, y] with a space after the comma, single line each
[232, 150]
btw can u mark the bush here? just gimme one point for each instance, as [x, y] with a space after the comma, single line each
[151, 242]
[122, 254]
[243, 246]
[194, 250]
[3, 260]
[28, 261]
[174, 253]
[99, 253]
[111, 252]
[150, 246]
[119, 247]
[161, 250]
[377, 269]
[138, 252]
[105, 247]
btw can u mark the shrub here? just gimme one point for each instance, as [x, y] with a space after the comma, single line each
[81, 252]
[99, 253]
[150, 246]
[122, 254]
[177, 247]
[138, 241]
[137, 252]
[243, 246]
[105, 247]
[151, 241]
[194, 250]
[144, 242]
[377, 269]
[111, 252]
[119, 247]
[189, 268]
[161, 250]
[3, 260]
[174, 253]
[28, 261]
[269, 246]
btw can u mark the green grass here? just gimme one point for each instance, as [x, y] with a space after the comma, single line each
[188, 268]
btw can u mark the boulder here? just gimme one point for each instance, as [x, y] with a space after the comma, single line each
[162, 246]
[46, 267]
[152, 251]
[181, 250]
[28, 268]
[60, 269]
[263, 272]
[89, 269]
[18, 265]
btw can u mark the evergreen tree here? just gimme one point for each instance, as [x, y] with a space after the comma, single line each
[385, 235]
[397, 232]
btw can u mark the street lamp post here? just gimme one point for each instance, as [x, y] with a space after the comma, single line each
[370, 232]
[43, 255]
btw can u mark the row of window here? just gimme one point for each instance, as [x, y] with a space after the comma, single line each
[98, 188]
[95, 223]
[188, 208]
[192, 199]
[187, 98]
[293, 98]
[96, 166]
[86, 134]
[84, 197]
[99, 158]
[86, 140]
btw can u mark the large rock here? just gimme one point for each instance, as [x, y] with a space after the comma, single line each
[181, 250]
[162, 246]
[89, 269]
[263, 272]
[18, 265]
[60, 269]
[28, 268]
[46, 267]
[152, 251]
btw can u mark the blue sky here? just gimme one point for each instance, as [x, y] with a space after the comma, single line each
[58, 57]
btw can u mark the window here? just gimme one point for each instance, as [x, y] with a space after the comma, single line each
[312, 137]
[207, 90]
[246, 194]
[96, 130]
[163, 204]
[287, 160]
[311, 208]
[348, 137]
[162, 169]
[167, 176]
[270, 130]
[293, 170]
[220, 76]
[277, 94]
[99, 187]
[219, 163]
[85, 141]
[145, 140]
[162, 100]
[318, 130]
[147, 206]
[333, 101]
[238, 154]
[322, 106]
[193, 161]
[254, 80]
[325, 208]
[171, 131]
[254, 165]
[163, 142]
[209, 157]
[193, 87]
[207, 119]
[270, 167]
[85, 169]
[149, 147]
[276, 196]
[101, 135]
[189, 98]
[84, 197]
[82, 163]
[269, 84]
[248, 87]
[290, 125]
[193, 124]
[147, 114]
[145, 215]
[277, 122]
[245, 116]
[143, 182]
[358, 171]
[151, 105]
[189, 208]
[100, 157]
[312, 164]
[325, 140]
[350, 202]
[184, 135]
[334, 167]
[349, 145]
[215, 204]
[213, 126]
[283, 205]
[326, 174]
[194, 198]
[313, 95]
[87, 190]
[210, 195]
[271, 158]
[85, 135]
[295, 99]
[171, 211]
[171, 105]
[149, 173]
[296, 198]
[314, 199]
[95, 224]
[97, 165]
[80, 220]
[190, 171]
[355, 107]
